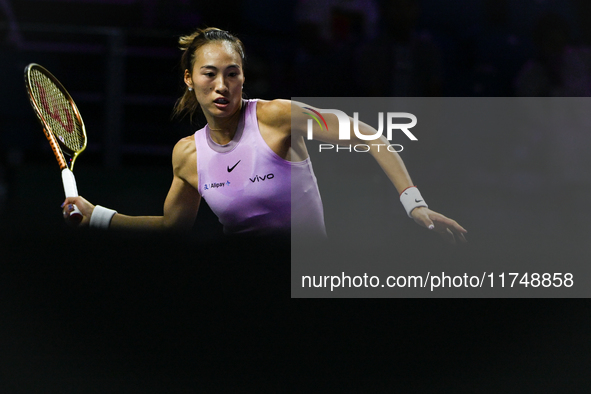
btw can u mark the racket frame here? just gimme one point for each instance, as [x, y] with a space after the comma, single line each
[64, 155]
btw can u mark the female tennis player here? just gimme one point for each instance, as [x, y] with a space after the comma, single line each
[250, 161]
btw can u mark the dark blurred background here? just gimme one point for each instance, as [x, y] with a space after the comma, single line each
[88, 312]
[120, 62]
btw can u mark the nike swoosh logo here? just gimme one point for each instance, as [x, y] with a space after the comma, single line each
[418, 200]
[234, 166]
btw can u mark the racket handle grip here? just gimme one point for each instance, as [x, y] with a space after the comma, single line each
[69, 181]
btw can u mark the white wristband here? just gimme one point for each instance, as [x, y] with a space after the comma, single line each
[101, 217]
[411, 198]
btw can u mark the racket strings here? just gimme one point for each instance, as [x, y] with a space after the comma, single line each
[58, 113]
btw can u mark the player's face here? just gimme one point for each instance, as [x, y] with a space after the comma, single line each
[217, 79]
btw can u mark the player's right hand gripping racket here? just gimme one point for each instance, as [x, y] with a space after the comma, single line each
[61, 123]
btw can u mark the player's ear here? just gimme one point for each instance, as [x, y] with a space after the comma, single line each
[188, 79]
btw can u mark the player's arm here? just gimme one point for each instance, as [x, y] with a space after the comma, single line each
[289, 118]
[180, 207]
[182, 202]
[389, 161]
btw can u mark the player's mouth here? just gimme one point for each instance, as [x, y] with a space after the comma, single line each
[221, 102]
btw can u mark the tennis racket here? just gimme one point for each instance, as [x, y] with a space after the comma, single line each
[61, 121]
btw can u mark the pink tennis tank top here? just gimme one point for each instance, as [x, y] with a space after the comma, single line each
[251, 189]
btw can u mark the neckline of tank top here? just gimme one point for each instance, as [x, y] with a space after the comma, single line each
[239, 131]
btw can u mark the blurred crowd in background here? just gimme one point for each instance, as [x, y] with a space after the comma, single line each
[123, 51]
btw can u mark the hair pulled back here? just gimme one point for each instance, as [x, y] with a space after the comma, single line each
[189, 44]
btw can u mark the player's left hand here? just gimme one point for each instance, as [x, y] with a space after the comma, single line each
[448, 228]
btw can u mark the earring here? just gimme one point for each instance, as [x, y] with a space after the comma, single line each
[190, 89]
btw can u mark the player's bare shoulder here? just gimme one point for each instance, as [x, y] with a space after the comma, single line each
[184, 160]
[275, 114]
